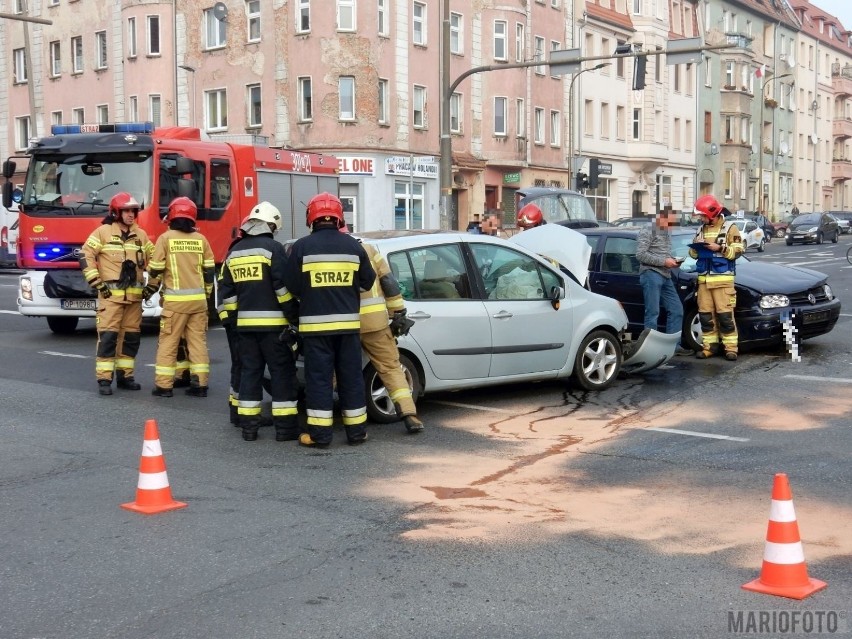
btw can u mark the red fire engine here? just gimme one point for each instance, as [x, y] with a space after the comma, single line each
[73, 173]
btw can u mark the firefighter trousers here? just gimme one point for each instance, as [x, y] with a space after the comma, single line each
[716, 313]
[173, 327]
[233, 336]
[259, 350]
[119, 336]
[325, 356]
[381, 348]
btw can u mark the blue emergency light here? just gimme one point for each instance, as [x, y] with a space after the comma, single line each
[146, 128]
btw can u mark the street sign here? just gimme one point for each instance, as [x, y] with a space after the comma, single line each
[564, 61]
[604, 168]
[691, 48]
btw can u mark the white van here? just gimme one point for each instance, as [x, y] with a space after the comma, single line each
[8, 237]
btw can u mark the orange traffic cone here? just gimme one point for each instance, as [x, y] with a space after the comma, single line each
[153, 494]
[784, 572]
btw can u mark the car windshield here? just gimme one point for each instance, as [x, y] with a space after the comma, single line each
[810, 218]
[561, 207]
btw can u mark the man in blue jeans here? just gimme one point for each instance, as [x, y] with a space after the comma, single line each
[654, 252]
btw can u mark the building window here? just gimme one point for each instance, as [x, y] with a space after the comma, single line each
[588, 117]
[384, 17]
[346, 88]
[456, 33]
[605, 120]
[215, 31]
[153, 23]
[637, 7]
[100, 50]
[20, 65]
[675, 73]
[384, 118]
[619, 62]
[306, 107]
[133, 109]
[22, 133]
[77, 54]
[55, 58]
[539, 54]
[676, 134]
[538, 125]
[729, 74]
[729, 184]
[346, 15]
[155, 109]
[637, 124]
[131, 37]
[418, 24]
[455, 113]
[687, 136]
[216, 104]
[303, 16]
[419, 113]
[520, 118]
[56, 117]
[555, 128]
[408, 209]
[253, 100]
[520, 43]
[500, 52]
[499, 116]
[555, 46]
[620, 122]
[102, 113]
[253, 20]
[78, 116]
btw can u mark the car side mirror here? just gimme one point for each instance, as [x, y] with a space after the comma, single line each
[556, 294]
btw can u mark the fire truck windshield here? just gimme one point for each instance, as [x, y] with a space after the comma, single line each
[83, 184]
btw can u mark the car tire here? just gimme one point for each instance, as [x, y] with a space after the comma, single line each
[819, 238]
[690, 336]
[835, 238]
[762, 246]
[598, 361]
[779, 233]
[789, 242]
[62, 325]
[380, 408]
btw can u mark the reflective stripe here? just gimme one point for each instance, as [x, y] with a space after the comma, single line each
[164, 371]
[199, 368]
[262, 322]
[355, 412]
[354, 421]
[782, 511]
[313, 412]
[153, 481]
[240, 256]
[104, 365]
[402, 392]
[124, 362]
[151, 448]
[327, 258]
[330, 326]
[321, 421]
[784, 553]
[373, 308]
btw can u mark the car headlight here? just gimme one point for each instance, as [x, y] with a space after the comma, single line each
[813, 229]
[27, 288]
[774, 301]
[829, 295]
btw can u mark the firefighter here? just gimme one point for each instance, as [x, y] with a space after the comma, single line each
[529, 217]
[114, 260]
[716, 247]
[233, 338]
[256, 303]
[183, 263]
[381, 303]
[327, 270]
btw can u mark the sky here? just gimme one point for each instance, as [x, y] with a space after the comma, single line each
[840, 8]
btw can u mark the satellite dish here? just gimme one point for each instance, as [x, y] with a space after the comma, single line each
[791, 61]
[814, 138]
[784, 147]
[220, 11]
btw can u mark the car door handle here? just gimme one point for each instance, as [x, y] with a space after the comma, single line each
[502, 315]
[419, 315]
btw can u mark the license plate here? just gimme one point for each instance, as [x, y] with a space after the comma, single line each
[812, 318]
[78, 305]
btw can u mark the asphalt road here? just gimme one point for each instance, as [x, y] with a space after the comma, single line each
[522, 511]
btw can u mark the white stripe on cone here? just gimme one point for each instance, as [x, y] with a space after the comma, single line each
[782, 511]
[151, 448]
[153, 481]
[784, 553]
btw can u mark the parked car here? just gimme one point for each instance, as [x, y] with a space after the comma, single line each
[779, 229]
[637, 222]
[844, 221]
[766, 293]
[763, 223]
[752, 235]
[812, 227]
[490, 311]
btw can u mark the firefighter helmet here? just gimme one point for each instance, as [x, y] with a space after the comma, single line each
[530, 216]
[120, 202]
[182, 207]
[266, 212]
[325, 205]
[708, 206]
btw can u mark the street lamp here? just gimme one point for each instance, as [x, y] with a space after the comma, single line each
[571, 118]
[191, 70]
[763, 99]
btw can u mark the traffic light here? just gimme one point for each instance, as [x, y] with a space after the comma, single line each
[639, 64]
[582, 181]
[594, 171]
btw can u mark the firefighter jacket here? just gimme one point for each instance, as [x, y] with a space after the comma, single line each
[327, 271]
[105, 253]
[184, 264]
[251, 286]
[717, 268]
[384, 297]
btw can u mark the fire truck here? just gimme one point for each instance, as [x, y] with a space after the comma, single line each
[73, 173]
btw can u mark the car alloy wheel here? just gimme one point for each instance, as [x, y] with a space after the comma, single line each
[380, 408]
[598, 360]
[691, 335]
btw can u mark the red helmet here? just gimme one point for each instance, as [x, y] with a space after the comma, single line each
[708, 206]
[121, 202]
[182, 207]
[530, 216]
[325, 205]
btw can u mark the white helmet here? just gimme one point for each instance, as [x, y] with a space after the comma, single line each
[266, 212]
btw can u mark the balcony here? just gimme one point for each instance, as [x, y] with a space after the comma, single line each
[841, 170]
[841, 128]
[841, 79]
[739, 40]
[647, 156]
[737, 100]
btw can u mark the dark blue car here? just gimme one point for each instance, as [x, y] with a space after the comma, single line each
[766, 293]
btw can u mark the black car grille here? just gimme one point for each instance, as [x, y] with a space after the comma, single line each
[801, 298]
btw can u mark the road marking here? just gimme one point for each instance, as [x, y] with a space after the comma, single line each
[692, 433]
[64, 354]
[10, 312]
[815, 378]
[488, 409]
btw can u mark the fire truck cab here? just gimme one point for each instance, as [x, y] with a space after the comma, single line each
[73, 174]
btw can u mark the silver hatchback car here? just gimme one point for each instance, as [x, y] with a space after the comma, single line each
[490, 311]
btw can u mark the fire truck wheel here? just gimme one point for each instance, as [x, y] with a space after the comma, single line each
[62, 325]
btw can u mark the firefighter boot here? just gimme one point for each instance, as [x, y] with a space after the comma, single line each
[161, 392]
[235, 416]
[286, 428]
[412, 424]
[182, 380]
[104, 387]
[250, 426]
[306, 440]
[197, 391]
[126, 382]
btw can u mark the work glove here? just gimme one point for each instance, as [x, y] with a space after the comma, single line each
[103, 290]
[149, 291]
[290, 338]
[400, 324]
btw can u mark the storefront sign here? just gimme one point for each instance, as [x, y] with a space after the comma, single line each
[356, 165]
[511, 178]
[401, 165]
